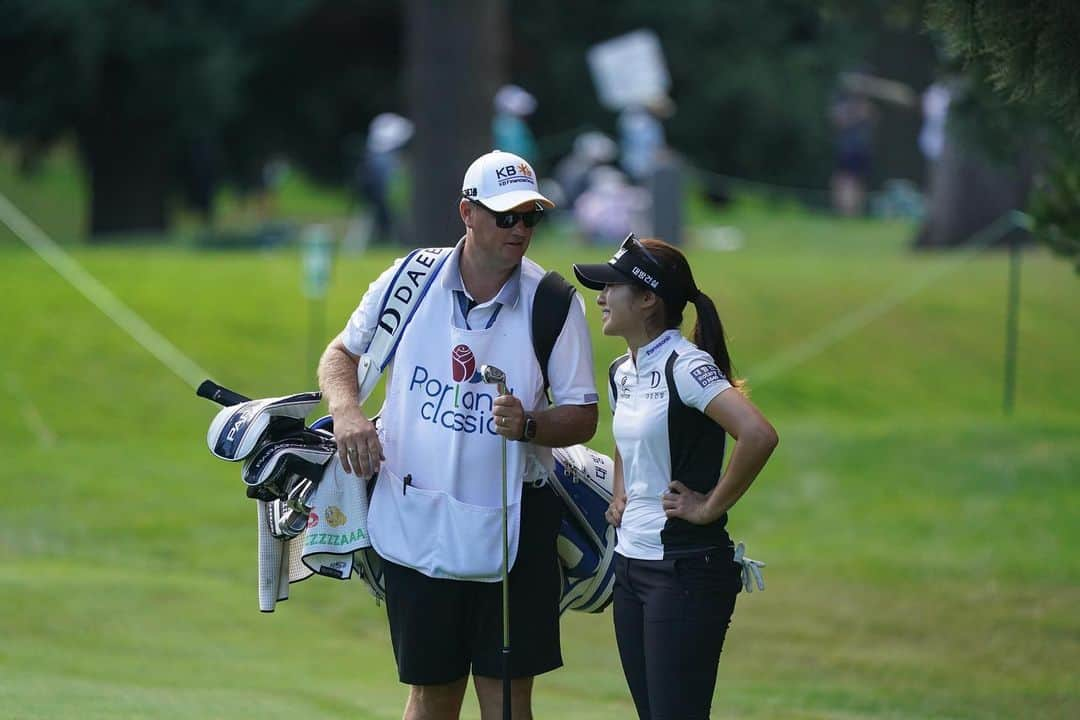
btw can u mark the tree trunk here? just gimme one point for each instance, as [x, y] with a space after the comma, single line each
[967, 192]
[456, 61]
[128, 170]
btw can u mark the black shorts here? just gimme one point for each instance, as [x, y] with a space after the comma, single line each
[440, 629]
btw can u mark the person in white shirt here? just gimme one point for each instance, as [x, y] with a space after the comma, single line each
[673, 401]
[436, 508]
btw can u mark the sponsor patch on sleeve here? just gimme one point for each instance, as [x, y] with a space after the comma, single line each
[706, 375]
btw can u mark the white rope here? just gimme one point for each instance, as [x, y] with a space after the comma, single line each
[853, 322]
[126, 318]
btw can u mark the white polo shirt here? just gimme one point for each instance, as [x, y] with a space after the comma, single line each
[663, 434]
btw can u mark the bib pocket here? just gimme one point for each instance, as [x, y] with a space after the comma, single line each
[438, 535]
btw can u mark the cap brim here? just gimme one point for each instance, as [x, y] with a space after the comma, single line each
[596, 277]
[510, 200]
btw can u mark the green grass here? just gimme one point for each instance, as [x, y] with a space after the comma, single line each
[920, 546]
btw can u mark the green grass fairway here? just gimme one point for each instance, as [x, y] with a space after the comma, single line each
[921, 547]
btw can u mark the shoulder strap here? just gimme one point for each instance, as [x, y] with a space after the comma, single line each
[550, 307]
[396, 309]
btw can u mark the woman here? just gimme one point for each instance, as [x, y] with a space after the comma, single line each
[676, 576]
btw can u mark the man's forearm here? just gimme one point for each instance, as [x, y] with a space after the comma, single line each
[565, 425]
[337, 378]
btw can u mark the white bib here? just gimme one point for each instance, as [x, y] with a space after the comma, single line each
[437, 504]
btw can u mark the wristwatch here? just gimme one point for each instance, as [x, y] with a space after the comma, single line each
[528, 431]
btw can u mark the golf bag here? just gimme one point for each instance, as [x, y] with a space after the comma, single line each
[312, 516]
[582, 480]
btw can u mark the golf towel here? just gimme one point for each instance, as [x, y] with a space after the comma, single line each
[337, 525]
[337, 528]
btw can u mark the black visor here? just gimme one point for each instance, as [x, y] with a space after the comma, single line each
[632, 263]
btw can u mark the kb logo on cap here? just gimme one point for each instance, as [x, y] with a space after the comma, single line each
[513, 170]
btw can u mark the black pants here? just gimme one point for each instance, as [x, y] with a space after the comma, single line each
[671, 617]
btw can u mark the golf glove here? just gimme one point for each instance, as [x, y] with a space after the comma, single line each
[751, 569]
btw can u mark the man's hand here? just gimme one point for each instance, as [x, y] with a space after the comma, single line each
[509, 417]
[682, 502]
[615, 510]
[358, 443]
[751, 569]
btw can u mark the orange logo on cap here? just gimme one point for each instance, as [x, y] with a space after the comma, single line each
[525, 170]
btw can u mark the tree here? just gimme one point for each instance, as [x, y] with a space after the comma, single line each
[456, 60]
[1026, 51]
[163, 98]
[751, 81]
[134, 82]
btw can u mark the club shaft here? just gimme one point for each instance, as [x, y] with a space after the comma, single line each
[505, 591]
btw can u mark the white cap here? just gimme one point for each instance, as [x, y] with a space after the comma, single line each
[502, 181]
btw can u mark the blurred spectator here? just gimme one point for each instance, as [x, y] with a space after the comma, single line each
[387, 134]
[611, 207]
[852, 117]
[267, 184]
[508, 129]
[590, 150]
[641, 136]
[935, 107]
[200, 173]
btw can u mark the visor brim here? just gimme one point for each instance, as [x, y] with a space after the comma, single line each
[597, 277]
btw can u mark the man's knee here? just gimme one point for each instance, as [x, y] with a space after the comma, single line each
[435, 702]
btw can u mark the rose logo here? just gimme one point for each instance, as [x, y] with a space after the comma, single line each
[463, 363]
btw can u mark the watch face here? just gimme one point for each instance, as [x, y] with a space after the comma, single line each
[529, 432]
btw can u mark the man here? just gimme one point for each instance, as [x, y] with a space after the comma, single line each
[436, 510]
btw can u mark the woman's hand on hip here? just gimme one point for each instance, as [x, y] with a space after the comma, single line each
[615, 510]
[682, 502]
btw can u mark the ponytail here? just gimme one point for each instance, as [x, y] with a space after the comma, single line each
[708, 330]
[709, 335]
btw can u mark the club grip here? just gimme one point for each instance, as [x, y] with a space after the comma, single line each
[221, 395]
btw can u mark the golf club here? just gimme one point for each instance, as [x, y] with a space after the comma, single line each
[497, 377]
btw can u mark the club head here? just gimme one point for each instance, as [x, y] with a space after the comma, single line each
[492, 374]
[300, 495]
[495, 376]
[285, 522]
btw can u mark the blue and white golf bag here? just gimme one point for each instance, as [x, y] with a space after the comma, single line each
[583, 480]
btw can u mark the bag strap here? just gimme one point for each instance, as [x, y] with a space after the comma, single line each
[550, 308]
[396, 308]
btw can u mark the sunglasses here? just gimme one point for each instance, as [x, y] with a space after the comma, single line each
[507, 220]
[632, 243]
